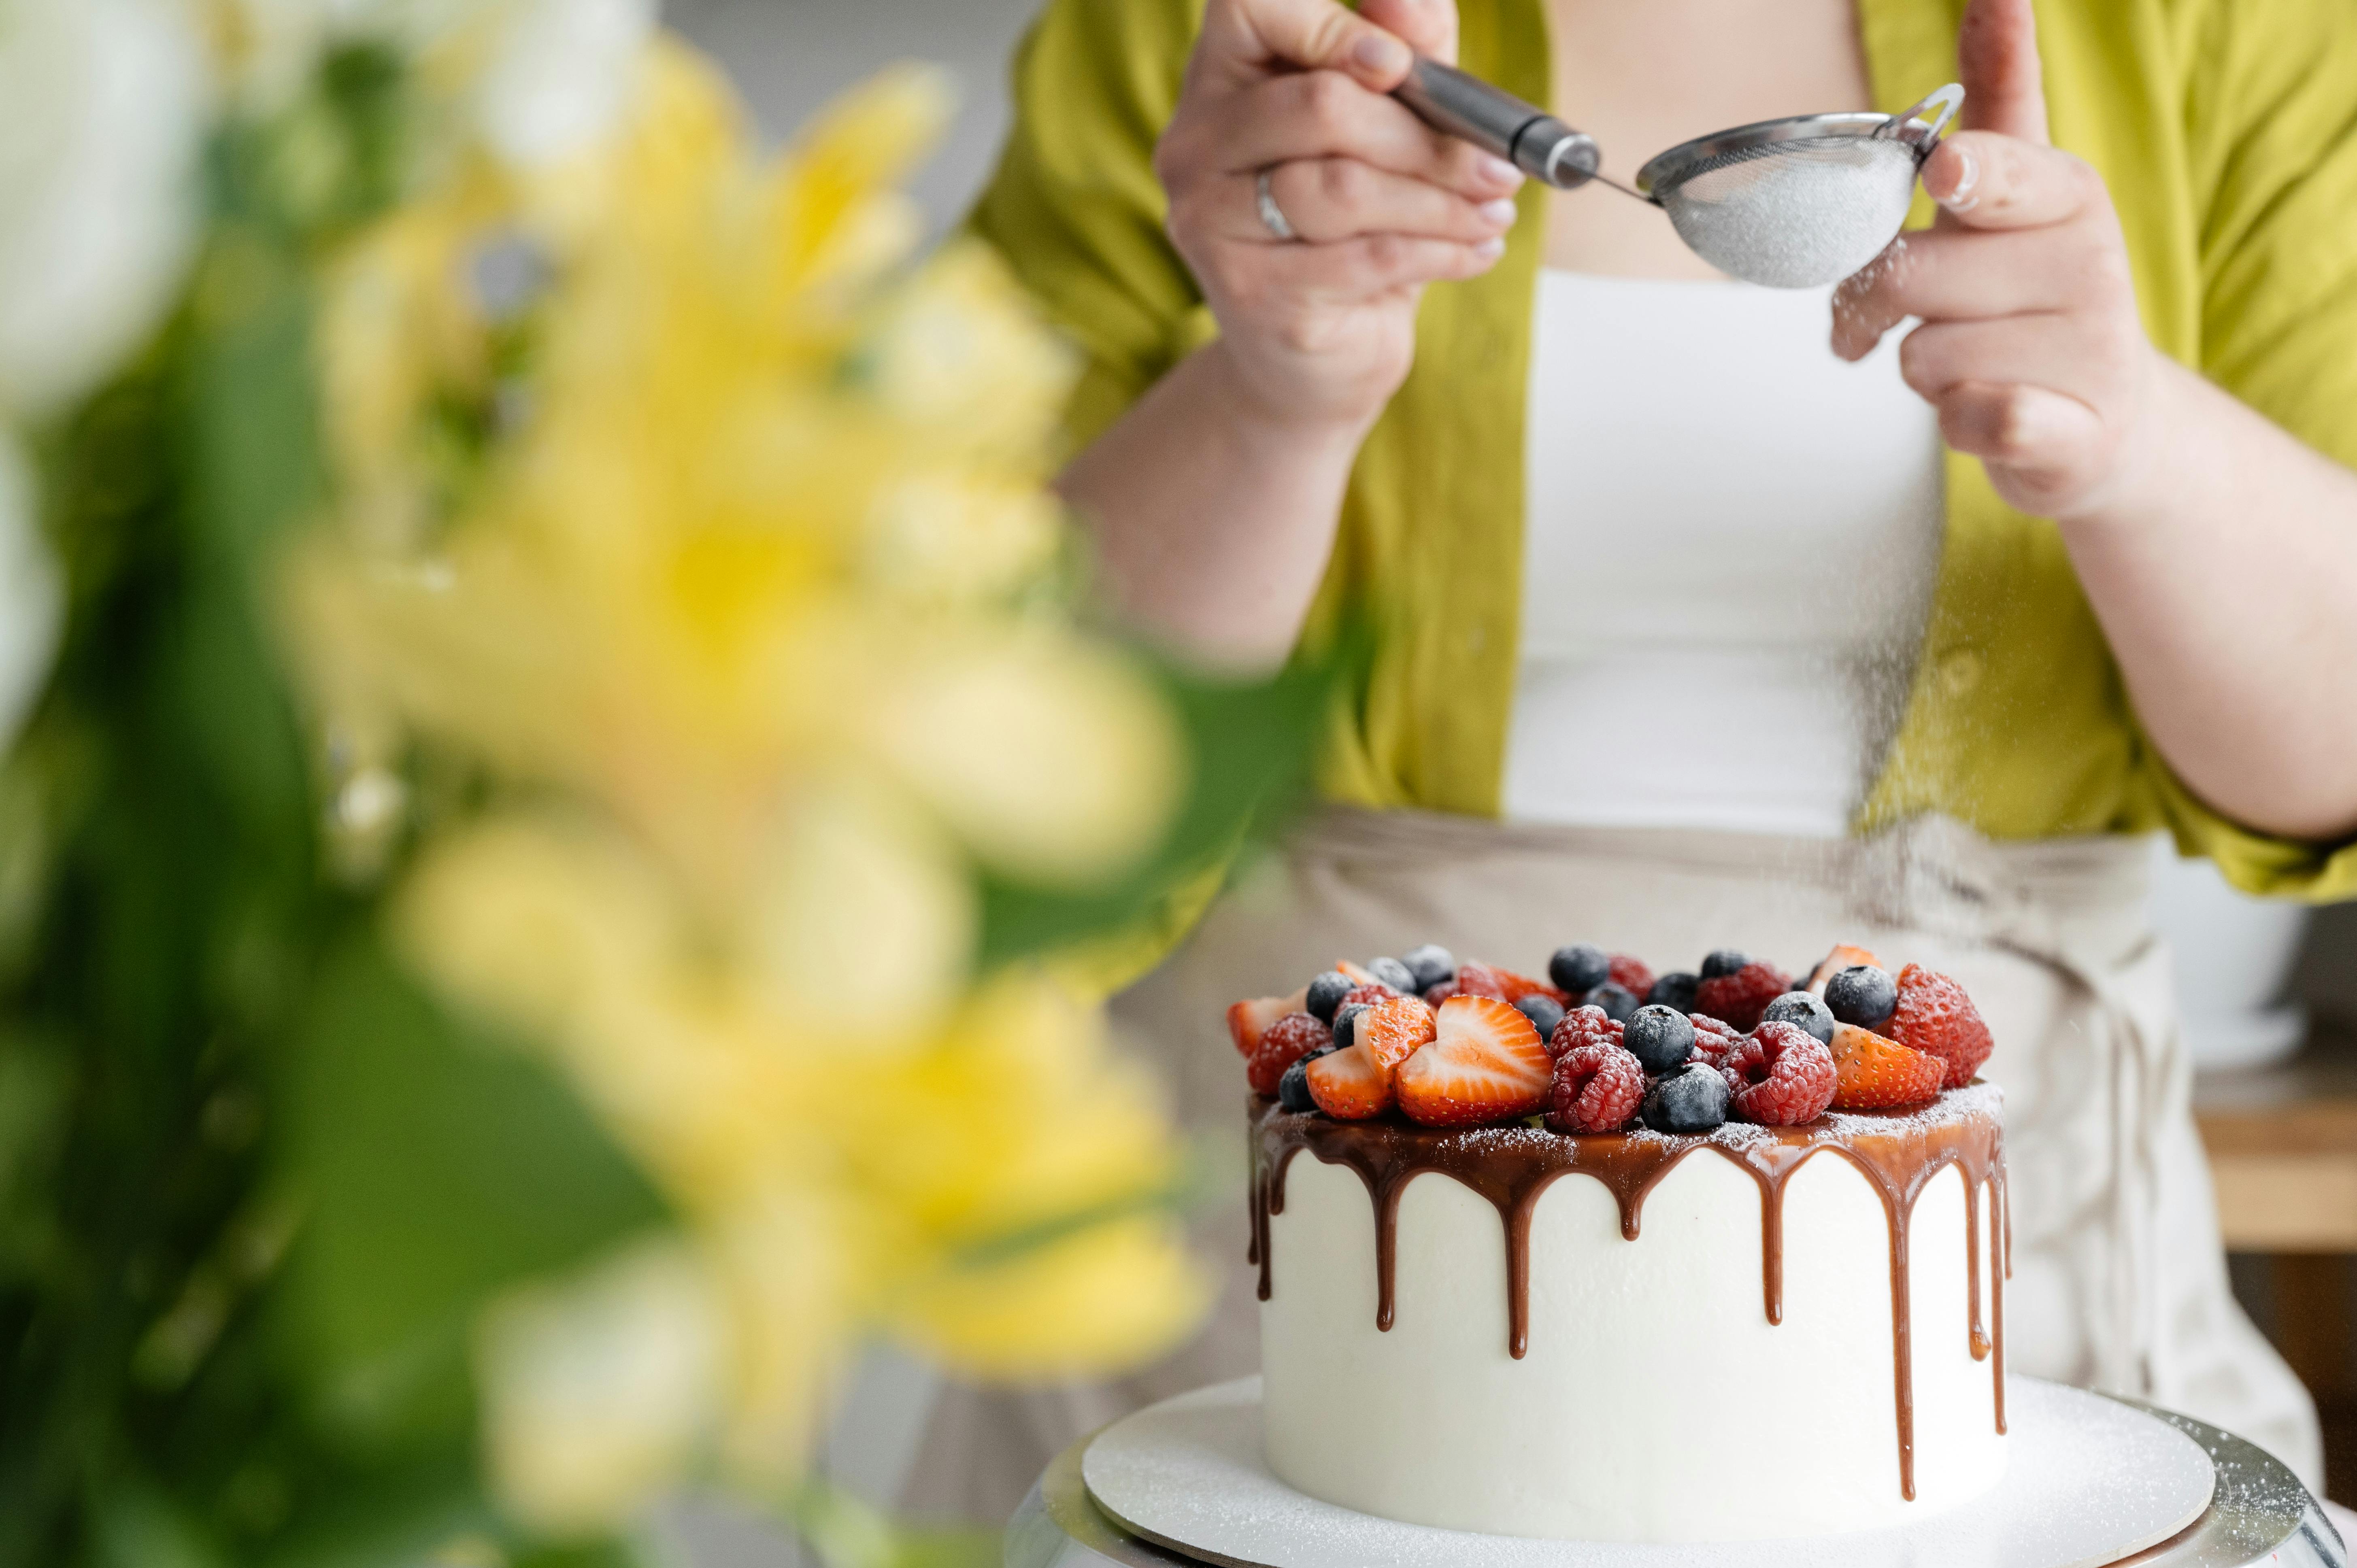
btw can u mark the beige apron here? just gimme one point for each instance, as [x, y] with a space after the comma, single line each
[2119, 1279]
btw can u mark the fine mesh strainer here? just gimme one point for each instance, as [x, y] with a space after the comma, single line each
[1793, 203]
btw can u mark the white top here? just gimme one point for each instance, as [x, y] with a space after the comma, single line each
[1730, 544]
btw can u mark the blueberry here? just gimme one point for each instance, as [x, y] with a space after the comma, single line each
[1293, 1089]
[1578, 969]
[1543, 1012]
[1394, 974]
[1326, 994]
[1660, 1037]
[1345, 1020]
[1861, 995]
[1724, 963]
[1691, 1100]
[1431, 964]
[1676, 990]
[1616, 1000]
[1799, 1007]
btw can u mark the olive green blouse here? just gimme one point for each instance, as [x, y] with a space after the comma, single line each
[2228, 132]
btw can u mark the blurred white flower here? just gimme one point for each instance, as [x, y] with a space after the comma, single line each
[103, 105]
[560, 76]
[32, 599]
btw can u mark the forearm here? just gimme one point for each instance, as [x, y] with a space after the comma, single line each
[2225, 579]
[1212, 520]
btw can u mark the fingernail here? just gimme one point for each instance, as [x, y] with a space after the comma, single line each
[1497, 214]
[1968, 175]
[1490, 250]
[1379, 52]
[1498, 171]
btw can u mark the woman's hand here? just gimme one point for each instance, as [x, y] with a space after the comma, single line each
[1321, 330]
[2030, 347]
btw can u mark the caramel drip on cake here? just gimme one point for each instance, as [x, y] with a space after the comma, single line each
[1897, 1152]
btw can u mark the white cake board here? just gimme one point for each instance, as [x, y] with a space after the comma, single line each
[2088, 1481]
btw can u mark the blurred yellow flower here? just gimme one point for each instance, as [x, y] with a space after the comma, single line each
[678, 503]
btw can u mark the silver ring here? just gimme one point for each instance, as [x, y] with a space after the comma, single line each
[1272, 216]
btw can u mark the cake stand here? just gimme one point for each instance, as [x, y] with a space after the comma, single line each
[2258, 1513]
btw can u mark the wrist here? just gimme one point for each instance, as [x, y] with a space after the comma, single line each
[2151, 466]
[1274, 421]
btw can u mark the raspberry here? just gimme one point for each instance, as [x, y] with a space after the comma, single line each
[1631, 974]
[1936, 1017]
[1584, 1026]
[1436, 995]
[1712, 1038]
[1597, 1088]
[1739, 998]
[1373, 992]
[1287, 1041]
[1782, 1076]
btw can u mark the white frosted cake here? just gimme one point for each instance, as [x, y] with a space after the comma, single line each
[1744, 1332]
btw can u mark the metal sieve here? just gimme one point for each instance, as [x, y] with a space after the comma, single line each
[1792, 203]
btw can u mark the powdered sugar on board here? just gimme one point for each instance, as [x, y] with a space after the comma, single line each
[2088, 1481]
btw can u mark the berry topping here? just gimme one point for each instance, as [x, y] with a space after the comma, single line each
[1861, 995]
[1348, 1085]
[1248, 1021]
[1440, 993]
[1287, 1041]
[1843, 957]
[1359, 976]
[1597, 1089]
[1631, 974]
[1724, 963]
[1485, 1064]
[1782, 1076]
[1346, 1018]
[1934, 1016]
[1391, 972]
[1478, 979]
[1799, 1007]
[1369, 992]
[1691, 1100]
[1741, 996]
[1293, 1089]
[1395, 1030]
[1543, 1012]
[1583, 1026]
[1578, 969]
[1871, 1072]
[1432, 965]
[1712, 1039]
[1675, 990]
[1661, 1038]
[1616, 1001]
[1326, 994]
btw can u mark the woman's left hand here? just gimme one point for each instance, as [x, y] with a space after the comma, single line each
[2031, 345]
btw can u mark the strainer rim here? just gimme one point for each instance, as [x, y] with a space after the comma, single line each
[1673, 168]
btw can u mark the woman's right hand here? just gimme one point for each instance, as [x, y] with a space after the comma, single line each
[1321, 331]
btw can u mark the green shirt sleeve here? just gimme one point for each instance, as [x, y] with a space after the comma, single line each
[2271, 126]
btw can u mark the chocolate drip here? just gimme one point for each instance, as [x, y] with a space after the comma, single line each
[1510, 1167]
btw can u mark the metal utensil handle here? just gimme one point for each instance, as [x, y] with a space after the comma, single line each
[1491, 118]
[1904, 127]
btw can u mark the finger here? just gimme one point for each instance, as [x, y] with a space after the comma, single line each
[1245, 40]
[2043, 350]
[1958, 274]
[1985, 180]
[1322, 114]
[1326, 200]
[1353, 270]
[1427, 27]
[1996, 59]
[2032, 430]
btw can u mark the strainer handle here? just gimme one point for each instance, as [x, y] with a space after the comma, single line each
[1909, 127]
[1462, 105]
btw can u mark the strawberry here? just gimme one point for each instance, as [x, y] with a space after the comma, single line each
[1289, 1039]
[1870, 1072]
[1585, 1027]
[1739, 998]
[1632, 973]
[1843, 957]
[1248, 1021]
[1936, 1017]
[1348, 1086]
[1485, 1064]
[1395, 1030]
[1781, 1075]
[1597, 1088]
[1358, 973]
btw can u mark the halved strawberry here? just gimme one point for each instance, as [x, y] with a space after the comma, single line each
[1348, 1085]
[1248, 1021]
[1395, 1030]
[1359, 976]
[1844, 956]
[1936, 1017]
[1486, 1063]
[1871, 1072]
